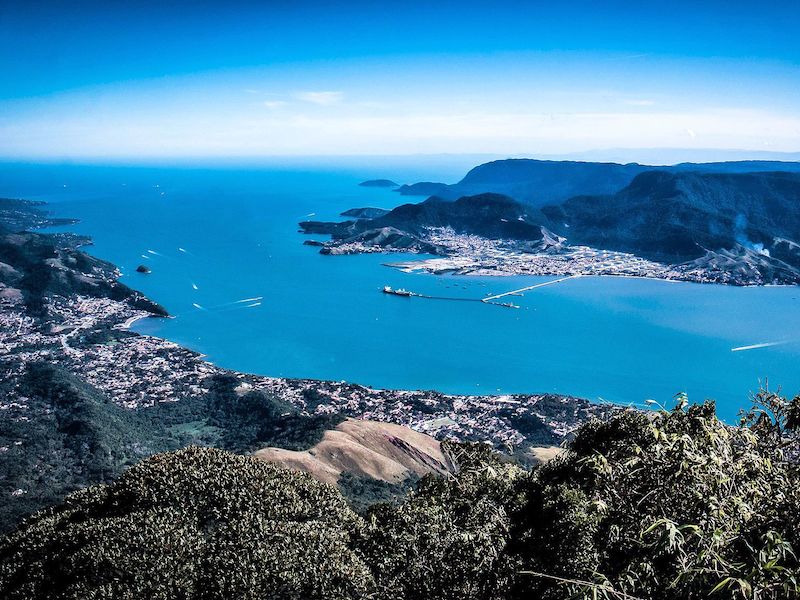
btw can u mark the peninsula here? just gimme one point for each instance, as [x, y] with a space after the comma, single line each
[676, 224]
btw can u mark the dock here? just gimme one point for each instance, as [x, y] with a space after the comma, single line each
[489, 299]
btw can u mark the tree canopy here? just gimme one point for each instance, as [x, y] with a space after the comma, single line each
[670, 504]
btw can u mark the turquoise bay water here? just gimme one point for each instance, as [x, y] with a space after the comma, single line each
[621, 340]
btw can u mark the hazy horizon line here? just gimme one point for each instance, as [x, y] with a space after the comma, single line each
[589, 155]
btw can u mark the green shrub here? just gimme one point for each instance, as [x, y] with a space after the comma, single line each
[669, 505]
[197, 523]
[448, 539]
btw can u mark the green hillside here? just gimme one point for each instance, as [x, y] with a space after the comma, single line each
[74, 436]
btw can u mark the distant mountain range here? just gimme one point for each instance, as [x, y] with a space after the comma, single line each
[542, 182]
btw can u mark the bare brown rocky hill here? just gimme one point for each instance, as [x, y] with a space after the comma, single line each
[382, 451]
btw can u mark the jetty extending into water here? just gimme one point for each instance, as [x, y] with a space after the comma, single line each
[489, 299]
[486, 300]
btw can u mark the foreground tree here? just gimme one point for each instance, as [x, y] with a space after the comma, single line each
[449, 538]
[198, 523]
[669, 505]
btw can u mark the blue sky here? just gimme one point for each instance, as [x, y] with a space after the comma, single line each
[237, 79]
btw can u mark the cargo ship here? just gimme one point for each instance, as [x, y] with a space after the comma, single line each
[398, 292]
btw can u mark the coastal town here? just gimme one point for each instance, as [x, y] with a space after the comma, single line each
[475, 255]
[466, 254]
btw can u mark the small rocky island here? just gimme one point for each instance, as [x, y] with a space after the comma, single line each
[379, 183]
[143, 269]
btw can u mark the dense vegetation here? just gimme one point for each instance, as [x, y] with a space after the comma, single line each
[198, 523]
[676, 217]
[669, 505]
[72, 435]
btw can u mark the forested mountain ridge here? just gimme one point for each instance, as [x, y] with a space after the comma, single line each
[678, 216]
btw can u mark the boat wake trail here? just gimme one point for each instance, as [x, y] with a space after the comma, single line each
[255, 299]
[757, 346]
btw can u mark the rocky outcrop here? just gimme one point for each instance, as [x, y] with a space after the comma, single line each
[386, 238]
[407, 227]
[487, 215]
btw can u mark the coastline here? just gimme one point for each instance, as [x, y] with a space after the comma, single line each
[135, 371]
[128, 323]
[88, 332]
[138, 370]
[467, 254]
[454, 265]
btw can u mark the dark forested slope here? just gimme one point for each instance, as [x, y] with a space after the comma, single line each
[678, 216]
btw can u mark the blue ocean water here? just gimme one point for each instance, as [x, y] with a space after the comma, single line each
[215, 238]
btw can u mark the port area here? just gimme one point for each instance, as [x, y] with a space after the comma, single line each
[487, 300]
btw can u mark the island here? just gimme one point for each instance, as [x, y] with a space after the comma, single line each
[379, 183]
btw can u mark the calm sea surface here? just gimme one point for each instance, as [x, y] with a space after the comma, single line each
[217, 237]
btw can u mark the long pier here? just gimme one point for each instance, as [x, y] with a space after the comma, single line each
[518, 292]
[490, 299]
